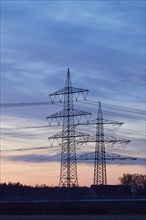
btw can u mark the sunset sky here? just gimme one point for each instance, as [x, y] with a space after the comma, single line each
[103, 43]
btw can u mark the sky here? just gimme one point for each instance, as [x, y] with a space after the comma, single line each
[103, 44]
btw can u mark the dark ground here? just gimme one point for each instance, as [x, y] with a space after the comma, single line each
[97, 207]
[75, 217]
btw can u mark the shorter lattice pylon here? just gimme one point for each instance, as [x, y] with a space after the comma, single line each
[100, 139]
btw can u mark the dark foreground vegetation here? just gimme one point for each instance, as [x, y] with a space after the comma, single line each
[17, 199]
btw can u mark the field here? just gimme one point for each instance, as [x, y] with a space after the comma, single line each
[74, 210]
[101, 207]
[74, 217]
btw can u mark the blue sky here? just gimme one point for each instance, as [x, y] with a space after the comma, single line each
[102, 42]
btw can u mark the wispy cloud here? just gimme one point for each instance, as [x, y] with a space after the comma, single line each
[34, 158]
[43, 158]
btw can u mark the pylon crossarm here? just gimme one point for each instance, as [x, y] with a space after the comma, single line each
[56, 115]
[77, 114]
[58, 135]
[104, 121]
[68, 90]
[73, 112]
[108, 140]
[62, 135]
[115, 156]
[108, 156]
[82, 135]
[125, 142]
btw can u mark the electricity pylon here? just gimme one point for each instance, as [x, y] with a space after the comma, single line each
[70, 117]
[100, 161]
[100, 175]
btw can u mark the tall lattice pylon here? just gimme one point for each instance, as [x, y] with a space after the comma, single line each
[70, 117]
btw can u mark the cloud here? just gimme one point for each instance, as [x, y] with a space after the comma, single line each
[56, 36]
[34, 158]
[43, 158]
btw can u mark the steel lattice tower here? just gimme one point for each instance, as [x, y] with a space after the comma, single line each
[100, 156]
[68, 170]
[100, 176]
[100, 160]
[70, 117]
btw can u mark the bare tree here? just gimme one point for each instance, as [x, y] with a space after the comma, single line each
[139, 180]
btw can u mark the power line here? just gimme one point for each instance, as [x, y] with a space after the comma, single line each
[130, 116]
[126, 131]
[21, 104]
[136, 114]
[28, 149]
[91, 102]
[116, 107]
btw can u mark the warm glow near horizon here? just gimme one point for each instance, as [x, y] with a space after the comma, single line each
[49, 173]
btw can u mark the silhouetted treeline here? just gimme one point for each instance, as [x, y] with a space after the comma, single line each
[14, 191]
[17, 191]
